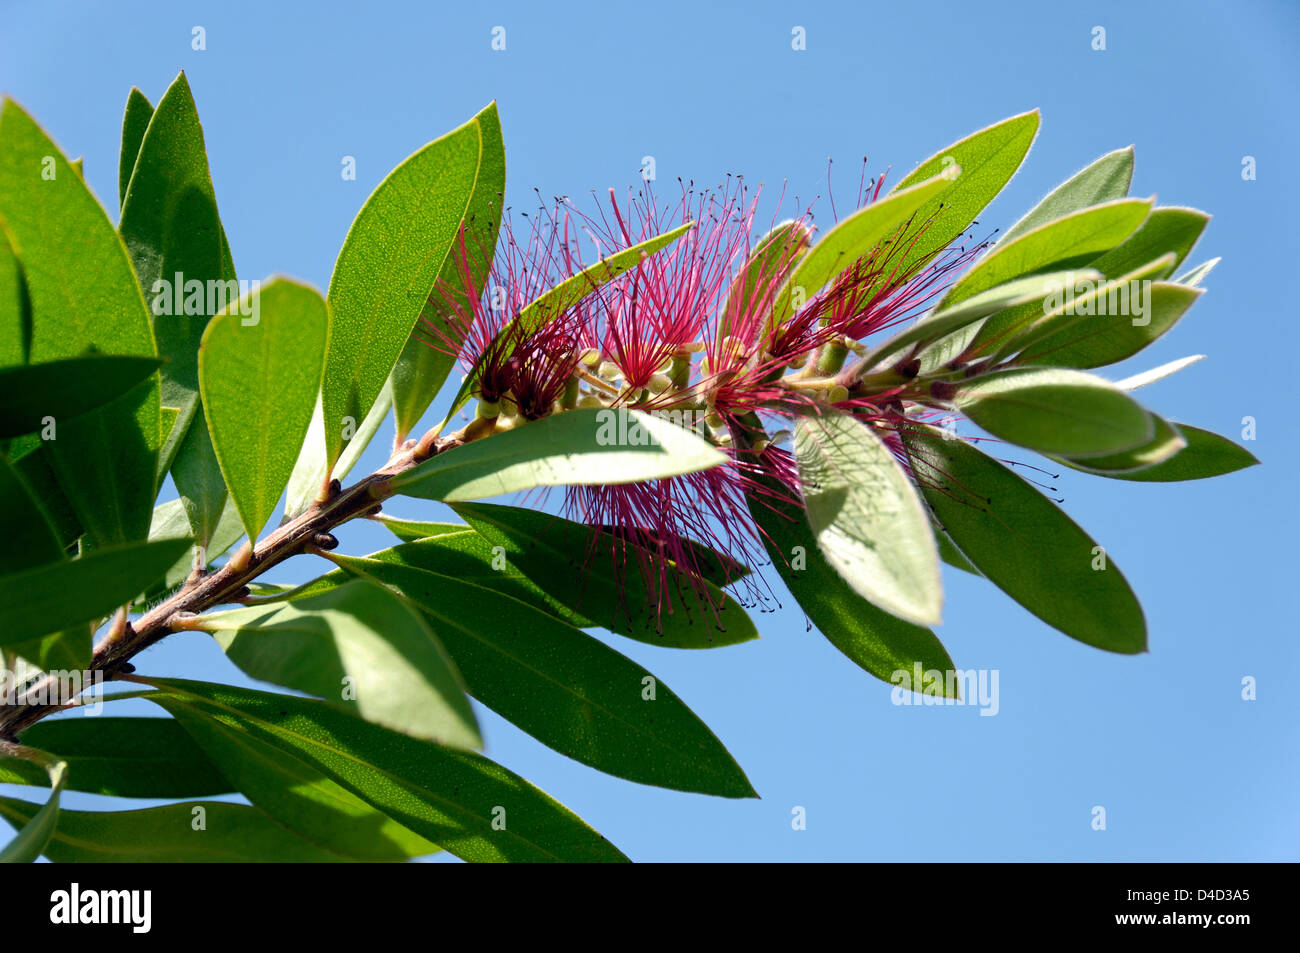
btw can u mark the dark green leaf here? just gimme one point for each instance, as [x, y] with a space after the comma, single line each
[297, 795]
[31, 461]
[230, 833]
[29, 539]
[1025, 545]
[84, 296]
[565, 688]
[451, 797]
[1206, 455]
[55, 596]
[121, 757]
[601, 576]
[68, 651]
[466, 555]
[1166, 442]
[63, 389]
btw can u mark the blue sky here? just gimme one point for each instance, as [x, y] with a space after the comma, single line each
[1184, 767]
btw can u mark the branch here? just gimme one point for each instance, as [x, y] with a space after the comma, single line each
[124, 641]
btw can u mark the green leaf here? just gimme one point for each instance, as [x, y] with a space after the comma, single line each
[1206, 455]
[565, 688]
[857, 236]
[135, 120]
[297, 795]
[421, 370]
[259, 384]
[1056, 411]
[361, 650]
[389, 262]
[878, 642]
[1126, 328]
[1158, 373]
[15, 308]
[308, 477]
[121, 757]
[1166, 442]
[867, 517]
[1167, 229]
[232, 833]
[173, 232]
[58, 595]
[773, 257]
[29, 539]
[30, 841]
[64, 389]
[171, 522]
[32, 464]
[445, 795]
[470, 558]
[1069, 242]
[1025, 545]
[578, 447]
[1194, 276]
[988, 159]
[941, 330]
[602, 579]
[408, 531]
[70, 650]
[1105, 179]
[570, 292]
[197, 474]
[1068, 303]
[84, 296]
[950, 554]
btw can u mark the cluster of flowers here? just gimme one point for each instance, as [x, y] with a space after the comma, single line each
[689, 333]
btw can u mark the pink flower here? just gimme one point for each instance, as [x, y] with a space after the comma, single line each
[689, 333]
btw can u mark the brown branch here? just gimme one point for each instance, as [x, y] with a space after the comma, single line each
[229, 583]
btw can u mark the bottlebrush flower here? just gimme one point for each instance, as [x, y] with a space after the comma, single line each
[689, 334]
